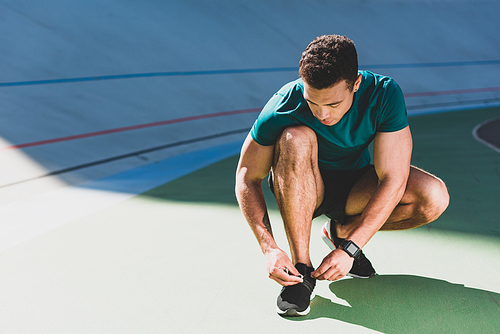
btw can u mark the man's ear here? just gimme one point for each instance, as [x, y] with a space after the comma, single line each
[357, 83]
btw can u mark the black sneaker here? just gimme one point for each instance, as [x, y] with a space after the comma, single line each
[294, 300]
[362, 267]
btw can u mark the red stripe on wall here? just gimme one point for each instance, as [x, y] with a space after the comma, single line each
[129, 128]
[219, 114]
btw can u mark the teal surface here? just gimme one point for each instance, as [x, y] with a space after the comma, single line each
[444, 145]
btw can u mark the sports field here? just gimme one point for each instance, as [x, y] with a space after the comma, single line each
[180, 258]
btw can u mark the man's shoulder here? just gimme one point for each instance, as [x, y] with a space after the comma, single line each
[295, 87]
[382, 98]
[286, 107]
[287, 99]
[377, 90]
[373, 82]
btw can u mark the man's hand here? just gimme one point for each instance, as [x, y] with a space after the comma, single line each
[334, 266]
[281, 269]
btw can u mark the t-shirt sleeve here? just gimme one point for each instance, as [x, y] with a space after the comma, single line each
[270, 123]
[394, 116]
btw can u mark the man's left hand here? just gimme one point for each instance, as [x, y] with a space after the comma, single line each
[334, 266]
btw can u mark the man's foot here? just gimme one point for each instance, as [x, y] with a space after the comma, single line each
[294, 300]
[362, 267]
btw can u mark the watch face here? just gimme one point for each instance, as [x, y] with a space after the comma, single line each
[352, 248]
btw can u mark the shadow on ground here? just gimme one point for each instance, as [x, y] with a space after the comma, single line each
[410, 304]
[212, 184]
[443, 145]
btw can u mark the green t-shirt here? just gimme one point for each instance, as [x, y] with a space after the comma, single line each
[378, 106]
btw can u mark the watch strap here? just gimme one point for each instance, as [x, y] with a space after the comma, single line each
[350, 248]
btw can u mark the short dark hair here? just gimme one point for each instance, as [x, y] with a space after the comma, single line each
[327, 60]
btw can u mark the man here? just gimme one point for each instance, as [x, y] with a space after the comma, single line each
[312, 139]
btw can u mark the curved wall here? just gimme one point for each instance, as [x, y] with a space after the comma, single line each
[133, 82]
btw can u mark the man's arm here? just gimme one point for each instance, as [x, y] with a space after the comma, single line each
[391, 155]
[254, 165]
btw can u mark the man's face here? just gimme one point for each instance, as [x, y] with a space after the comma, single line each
[329, 105]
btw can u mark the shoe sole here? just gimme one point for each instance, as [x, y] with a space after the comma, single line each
[293, 312]
[325, 235]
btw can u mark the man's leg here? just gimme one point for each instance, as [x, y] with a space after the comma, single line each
[298, 187]
[299, 190]
[425, 199]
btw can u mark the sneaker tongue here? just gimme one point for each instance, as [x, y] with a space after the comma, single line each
[304, 269]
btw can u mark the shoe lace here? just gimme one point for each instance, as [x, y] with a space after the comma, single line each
[309, 282]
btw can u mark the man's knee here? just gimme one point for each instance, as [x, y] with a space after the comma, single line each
[435, 199]
[296, 135]
[296, 141]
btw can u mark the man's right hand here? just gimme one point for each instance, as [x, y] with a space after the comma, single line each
[281, 269]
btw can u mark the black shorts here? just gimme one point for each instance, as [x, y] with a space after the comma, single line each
[338, 185]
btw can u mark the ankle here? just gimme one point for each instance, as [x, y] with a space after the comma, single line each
[305, 261]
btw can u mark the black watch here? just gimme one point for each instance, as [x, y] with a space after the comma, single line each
[350, 248]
